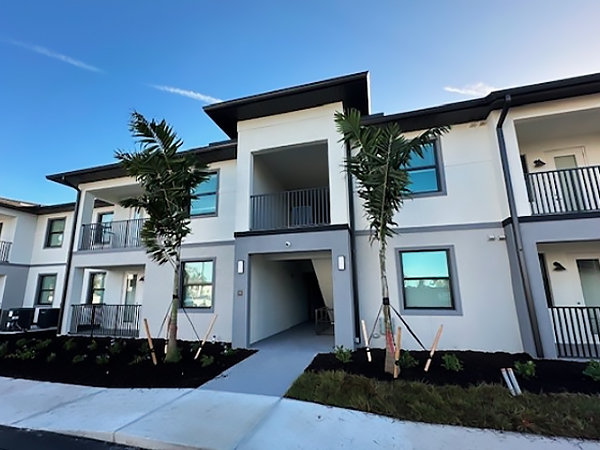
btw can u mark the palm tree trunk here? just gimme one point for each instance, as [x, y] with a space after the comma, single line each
[173, 354]
[387, 316]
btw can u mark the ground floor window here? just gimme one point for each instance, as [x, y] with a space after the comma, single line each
[46, 287]
[197, 284]
[96, 291]
[426, 280]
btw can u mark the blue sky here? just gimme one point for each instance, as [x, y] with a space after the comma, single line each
[71, 71]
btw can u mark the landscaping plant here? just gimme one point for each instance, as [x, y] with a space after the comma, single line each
[377, 159]
[168, 180]
[342, 354]
[51, 357]
[407, 360]
[70, 345]
[3, 349]
[593, 370]
[115, 348]
[78, 358]
[451, 362]
[102, 360]
[93, 345]
[526, 369]
[206, 361]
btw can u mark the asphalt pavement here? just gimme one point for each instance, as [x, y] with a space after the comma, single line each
[17, 439]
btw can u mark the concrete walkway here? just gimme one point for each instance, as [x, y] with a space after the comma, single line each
[280, 360]
[185, 419]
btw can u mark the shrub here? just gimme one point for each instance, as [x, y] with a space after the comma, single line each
[526, 369]
[138, 359]
[407, 360]
[69, 345]
[102, 360]
[342, 354]
[51, 357]
[93, 345]
[21, 343]
[24, 354]
[451, 362]
[229, 351]
[78, 358]
[145, 348]
[3, 349]
[593, 370]
[115, 348]
[43, 344]
[206, 361]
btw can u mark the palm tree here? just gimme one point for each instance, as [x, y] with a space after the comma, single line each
[378, 161]
[168, 180]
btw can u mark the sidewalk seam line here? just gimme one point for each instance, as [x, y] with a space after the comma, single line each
[255, 428]
[59, 405]
[114, 433]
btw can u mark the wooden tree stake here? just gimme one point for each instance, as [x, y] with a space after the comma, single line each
[366, 338]
[397, 354]
[210, 327]
[150, 343]
[434, 347]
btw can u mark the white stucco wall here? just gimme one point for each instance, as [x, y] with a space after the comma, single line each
[310, 125]
[32, 284]
[41, 255]
[488, 321]
[566, 285]
[277, 298]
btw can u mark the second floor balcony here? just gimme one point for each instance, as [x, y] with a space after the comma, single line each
[5, 250]
[111, 235]
[290, 209]
[564, 191]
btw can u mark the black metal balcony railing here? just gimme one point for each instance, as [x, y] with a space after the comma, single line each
[4, 250]
[118, 234]
[105, 320]
[564, 191]
[576, 331]
[290, 209]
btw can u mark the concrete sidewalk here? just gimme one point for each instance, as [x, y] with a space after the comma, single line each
[177, 419]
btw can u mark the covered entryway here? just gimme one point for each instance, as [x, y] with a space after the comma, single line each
[289, 289]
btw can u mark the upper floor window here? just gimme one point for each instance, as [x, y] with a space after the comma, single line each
[424, 172]
[206, 203]
[55, 233]
[46, 287]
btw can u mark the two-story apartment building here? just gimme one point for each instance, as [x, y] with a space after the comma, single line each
[500, 242]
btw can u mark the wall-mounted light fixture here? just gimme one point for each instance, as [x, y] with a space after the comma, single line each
[240, 266]
[539, 163]
[558, 266]
[341, 262]
[142, 278]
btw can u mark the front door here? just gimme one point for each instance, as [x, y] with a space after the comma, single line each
[589, 276]
[129, 296]
[569, 185]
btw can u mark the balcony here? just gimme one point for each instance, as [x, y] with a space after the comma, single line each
[564, 191]
[105, 320]
[290, 209]
[4, 250]
[111, 235]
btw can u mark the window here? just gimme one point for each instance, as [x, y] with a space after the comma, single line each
[55, 233]
[103, 232]
[424, 172]
[426, 280]
[197, 284]
[46, 286]
[96, 291]
[206, 203]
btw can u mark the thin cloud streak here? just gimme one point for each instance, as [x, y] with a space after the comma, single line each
[472, 90]
[187, 93]
[51, 54]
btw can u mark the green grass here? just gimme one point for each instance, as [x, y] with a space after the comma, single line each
[484, 406]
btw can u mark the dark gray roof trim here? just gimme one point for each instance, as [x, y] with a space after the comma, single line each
[479, 109]
[352, 90]
[218, 151]
[45, 209]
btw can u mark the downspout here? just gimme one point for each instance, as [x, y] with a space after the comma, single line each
[63, 298]
[515, 224]
[352, 225]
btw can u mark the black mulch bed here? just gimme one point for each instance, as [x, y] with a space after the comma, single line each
[552, 376]
[111, 362]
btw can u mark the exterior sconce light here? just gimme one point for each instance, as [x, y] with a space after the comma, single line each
[539, 163]
[240, 266]
[341, 263]
[558, 267]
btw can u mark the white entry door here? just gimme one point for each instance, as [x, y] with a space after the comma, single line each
[570, 187]
[589, 276]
